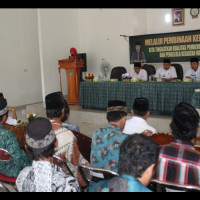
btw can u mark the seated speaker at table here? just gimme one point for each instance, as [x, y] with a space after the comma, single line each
[194, 71]
[139, 73]
[167, 72]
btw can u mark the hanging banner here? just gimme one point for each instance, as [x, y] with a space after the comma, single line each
[153, 48]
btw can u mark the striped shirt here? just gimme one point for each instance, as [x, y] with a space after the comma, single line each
[179, 163]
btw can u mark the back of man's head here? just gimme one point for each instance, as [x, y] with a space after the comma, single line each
[54, 104]
[141, 107]
[137, 153]
[185, 122]
[116, 110]
[40, 139]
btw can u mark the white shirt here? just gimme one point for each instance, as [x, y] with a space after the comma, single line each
[137, 125]
[194, 75]
[170, 73]
[11, 121]
[141, 76]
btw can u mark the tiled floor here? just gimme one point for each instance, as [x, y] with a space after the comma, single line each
[90, 120]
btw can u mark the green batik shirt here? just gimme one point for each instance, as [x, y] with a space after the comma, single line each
[19, 161]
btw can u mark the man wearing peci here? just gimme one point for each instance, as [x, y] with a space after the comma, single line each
[167, 72]
[139, 73]
[194, 71]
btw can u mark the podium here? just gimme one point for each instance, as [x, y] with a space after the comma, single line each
[72, 68]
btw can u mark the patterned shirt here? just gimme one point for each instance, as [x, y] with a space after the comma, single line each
[179, 163]
[106, 144]
[123, 183]
[20, 160]
[68, 150]
[44, 176]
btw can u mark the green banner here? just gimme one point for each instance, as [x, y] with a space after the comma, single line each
[153, 48]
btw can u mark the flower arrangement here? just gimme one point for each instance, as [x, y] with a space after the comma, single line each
[89, 76]
[126, 76]
[31, 116]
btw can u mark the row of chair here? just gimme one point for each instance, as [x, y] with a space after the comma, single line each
[117, 72]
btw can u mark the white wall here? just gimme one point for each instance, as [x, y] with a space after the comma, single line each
[156, 24]
[20, 78]
[58, 33]
[33, 40]
[100, 31]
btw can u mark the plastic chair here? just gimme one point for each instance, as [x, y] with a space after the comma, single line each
[150, 69]
[179, 70]
[196, 145]
[84, 143]
[117, 72]
[162, 138]
[158, 186]
[93, 175]
[6, 157]
[62, 164]
[3, 188]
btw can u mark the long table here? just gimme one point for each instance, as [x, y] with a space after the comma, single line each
[163, 97]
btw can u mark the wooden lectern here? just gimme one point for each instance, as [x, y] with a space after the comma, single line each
[72, 68]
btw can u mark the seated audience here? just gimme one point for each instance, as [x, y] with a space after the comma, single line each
[67, 143]
[43, 175]
[139, 73]
[179, 162]
[65, 121]
[167, 72]
[137, 163]
[194, 71]
[106, 141]
[138, 124]
[11, 120]
[9, 142]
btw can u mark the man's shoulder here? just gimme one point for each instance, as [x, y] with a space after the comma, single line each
[6, 133]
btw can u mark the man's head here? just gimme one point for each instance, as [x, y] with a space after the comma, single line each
[138, 46]
[137, 67]
[40, 139]
[179, 14]
[3, 110]
[185, 122]
[166, 64]
[55, 105]
[194, 62]
[138, 157]
[141, 108]
[117, 112]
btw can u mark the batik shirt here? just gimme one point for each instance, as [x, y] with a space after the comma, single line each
[179, 163]
[68, 147]
[123, 183]
[19, 161]
[45, 177]
[106, 144]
